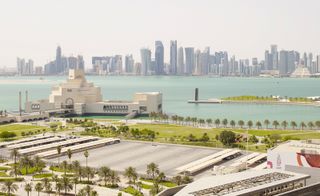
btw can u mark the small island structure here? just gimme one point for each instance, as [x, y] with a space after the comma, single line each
[251, 99]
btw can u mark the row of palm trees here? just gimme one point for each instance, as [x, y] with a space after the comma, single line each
[193, 121]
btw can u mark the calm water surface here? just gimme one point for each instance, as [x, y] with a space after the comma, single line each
[177, 90]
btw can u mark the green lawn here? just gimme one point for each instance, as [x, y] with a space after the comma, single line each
[4, 168]
[264, 132]
[19, 128]
[132, 191]
[167, 131]
[44, 175]
[146, 186]
[3, 174]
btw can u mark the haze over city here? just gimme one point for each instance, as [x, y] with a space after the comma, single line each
[33, 29]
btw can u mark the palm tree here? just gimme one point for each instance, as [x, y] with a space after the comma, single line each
[15, 154]
[284, 124]
[266, 123]
[209, 122]
[86, 155]
[293, 124]
[310, 125]
[114, 178]
[64, 166]
[38, 187]
[46, 185]
[9, 187]
[26, 162]
[55, 178]
[77, 168]
[104, 172]
[241, 123]
[59, 152]
[66, 184]
[232, 123]
[152, 170]
[131, 174]
[317, 123]
[59, 187]
[38, 163]
[28, 188]
[275, 124]
[217, 122]
[225, 122]
[89, 173]
[250, 124]
[69, 153]
[302, 125]
[75, 181]
[258, 124]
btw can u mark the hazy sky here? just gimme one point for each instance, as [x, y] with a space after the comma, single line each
[34, 28]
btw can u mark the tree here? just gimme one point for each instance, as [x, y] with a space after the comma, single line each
[15, 154]
[89, 173]
[284, 124]
[177, 179]
[59, 187]
[317, 123]
[241, 123]
[253, 139]
[38, 188]
[275, 124]
[209, 122]
[192, 138]
[26, 162]
[104, 173]
[28, 188]
[38, 163]
[77, 168]
[310, 125]
[152, 170]
[46, 185]
[131, 174]
[225, 122]
[86, 155]
[266, 123]
[205, 137]
[293, 124]
[232, 123]
[227, 137]
[217, 122]
[59, 152]
[9, 187]
[75, 181]
[114, 178]
[302, 125]
[64, 166]
[250, 124]
[53, 127]
[258, 124]
[69, 153]
[155, 189]
[66, 184]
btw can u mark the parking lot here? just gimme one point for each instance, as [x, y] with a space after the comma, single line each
[139, 154]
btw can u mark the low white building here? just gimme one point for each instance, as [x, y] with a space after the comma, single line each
[80, 97]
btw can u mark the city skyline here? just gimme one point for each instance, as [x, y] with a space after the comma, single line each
[33, 33]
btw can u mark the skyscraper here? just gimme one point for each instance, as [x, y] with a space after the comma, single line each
[291, 61]
[318, 63]
[145, 60]
[159, 58]
[274, 53]
[181, 67]
[80, 62]
[58, 68]
[189, 53]
[283, 63]
[268, 60]
[128, 64]
[173, 57]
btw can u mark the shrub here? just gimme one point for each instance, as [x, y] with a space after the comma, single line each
[7, 134]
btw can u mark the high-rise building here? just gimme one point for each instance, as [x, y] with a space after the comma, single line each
[173, 57]
[128, 64]
[80, 62]
[283, 63]
[318, 63]
[181, 67]
[204, 62]
[291, 61]
[159, 58]
[268, 60]
[274, 53]
[189, 53]
[58, 67]
[145, 60]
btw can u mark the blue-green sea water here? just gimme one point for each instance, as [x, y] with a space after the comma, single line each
[178, 90]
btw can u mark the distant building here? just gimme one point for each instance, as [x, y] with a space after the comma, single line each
[173, 57]
[181, 65]
[159, 58]
[274, 53]
[145, 60]
[128, 64]
[25, 68]
[283, 63]
[189, 55]
[58, 63]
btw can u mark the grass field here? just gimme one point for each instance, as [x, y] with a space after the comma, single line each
[19, 128]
